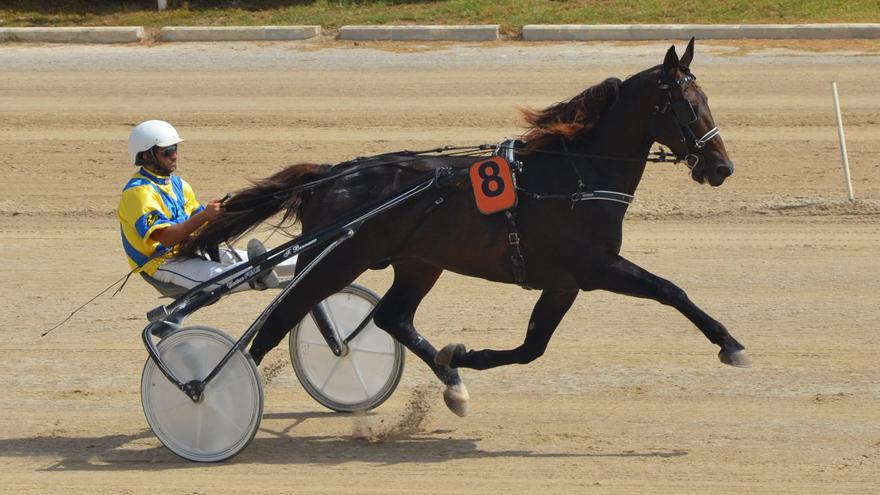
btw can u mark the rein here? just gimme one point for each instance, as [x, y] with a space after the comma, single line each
[415, 156]
[656, 156]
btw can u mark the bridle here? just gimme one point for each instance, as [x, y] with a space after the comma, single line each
[685, 116]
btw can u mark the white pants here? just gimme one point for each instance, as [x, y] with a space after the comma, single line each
[190, 272]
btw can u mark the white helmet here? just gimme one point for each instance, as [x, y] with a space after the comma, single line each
[151, 133]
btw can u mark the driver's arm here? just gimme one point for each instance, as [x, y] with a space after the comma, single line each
[175, 233]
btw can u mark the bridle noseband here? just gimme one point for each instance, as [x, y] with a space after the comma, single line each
[685, 116]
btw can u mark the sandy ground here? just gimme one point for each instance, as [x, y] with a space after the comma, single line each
[629, 397]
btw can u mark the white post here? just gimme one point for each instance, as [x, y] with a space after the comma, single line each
[163, 4]
[840, 135]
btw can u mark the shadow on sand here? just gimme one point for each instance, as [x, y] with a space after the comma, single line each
[142, 451]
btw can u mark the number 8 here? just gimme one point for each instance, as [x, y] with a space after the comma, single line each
[490, 179]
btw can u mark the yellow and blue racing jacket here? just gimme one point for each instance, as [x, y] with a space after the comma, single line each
[150, 202]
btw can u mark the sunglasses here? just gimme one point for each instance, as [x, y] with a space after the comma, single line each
[167, 152]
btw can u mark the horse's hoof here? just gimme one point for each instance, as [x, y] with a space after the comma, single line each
[737, 358]
[456, 398]
[444, 356]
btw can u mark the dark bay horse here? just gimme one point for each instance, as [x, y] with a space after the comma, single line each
[581, 160]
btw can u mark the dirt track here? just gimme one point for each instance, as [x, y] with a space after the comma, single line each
[629, 398]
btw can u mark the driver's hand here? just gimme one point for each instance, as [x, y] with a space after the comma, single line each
[213, 209]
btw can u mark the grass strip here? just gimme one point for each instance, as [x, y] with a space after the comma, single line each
[510, 14]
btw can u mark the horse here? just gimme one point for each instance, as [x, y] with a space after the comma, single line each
[581, 161]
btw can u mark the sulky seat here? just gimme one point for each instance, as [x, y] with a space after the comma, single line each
[166, 289]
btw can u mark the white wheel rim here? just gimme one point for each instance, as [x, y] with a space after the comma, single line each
[227, 417]
[360, 375]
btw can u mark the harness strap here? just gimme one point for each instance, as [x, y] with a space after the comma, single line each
[507, 149]
[613, 196]
[517, 260]
[577, 172]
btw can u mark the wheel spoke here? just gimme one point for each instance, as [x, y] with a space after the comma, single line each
[198, 428]
[157, 411]
[193, 357]
[360, 378]
[225, 385]
[380, 353]
[209, 357]
[222, 414]
[333, 320]
[186, 360]
[330, 375]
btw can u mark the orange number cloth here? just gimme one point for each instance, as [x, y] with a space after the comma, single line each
[493, 185]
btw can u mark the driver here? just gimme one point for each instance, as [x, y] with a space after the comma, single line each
[157, 210]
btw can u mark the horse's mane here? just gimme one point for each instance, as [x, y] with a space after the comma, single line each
[570, 119]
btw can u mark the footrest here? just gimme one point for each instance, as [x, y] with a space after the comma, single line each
[158, 314]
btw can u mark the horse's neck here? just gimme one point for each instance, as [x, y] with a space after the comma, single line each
[622, 132]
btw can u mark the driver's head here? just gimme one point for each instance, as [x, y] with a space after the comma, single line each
[153, 144]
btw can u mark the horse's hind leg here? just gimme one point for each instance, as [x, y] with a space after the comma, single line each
[624, 277]
[395, 314]
[548, 312]
[329, 276]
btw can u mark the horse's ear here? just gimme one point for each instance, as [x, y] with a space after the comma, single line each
[670, 63]
[688, 55]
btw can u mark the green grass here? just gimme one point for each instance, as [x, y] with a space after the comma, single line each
[510, 14]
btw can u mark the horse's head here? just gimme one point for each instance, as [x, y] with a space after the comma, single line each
[683, 122]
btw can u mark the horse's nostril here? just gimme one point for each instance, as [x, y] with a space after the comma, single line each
[725, 170]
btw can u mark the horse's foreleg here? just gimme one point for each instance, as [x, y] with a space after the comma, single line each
[548, 312]
[624, 277]
[395, 314]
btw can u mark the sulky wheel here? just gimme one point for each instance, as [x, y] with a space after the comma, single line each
[228, 414]
[366, 375]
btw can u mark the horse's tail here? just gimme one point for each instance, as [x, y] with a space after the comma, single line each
[250, 206]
